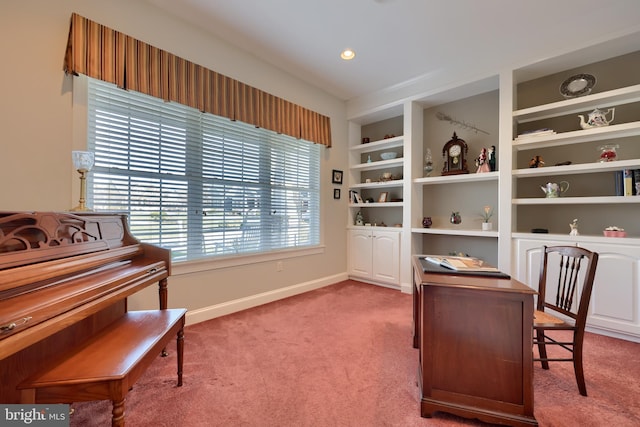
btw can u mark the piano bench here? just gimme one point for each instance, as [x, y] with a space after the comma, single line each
[107, 366]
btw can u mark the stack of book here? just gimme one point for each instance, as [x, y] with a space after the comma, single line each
[627, 182]
[537, 132]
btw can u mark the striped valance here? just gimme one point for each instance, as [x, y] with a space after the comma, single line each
[102, 53]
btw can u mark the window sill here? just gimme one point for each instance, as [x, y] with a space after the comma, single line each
[215, 263]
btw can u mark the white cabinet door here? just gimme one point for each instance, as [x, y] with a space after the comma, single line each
[360, 250]
[386, 256]
[615, 301]
[375, 254]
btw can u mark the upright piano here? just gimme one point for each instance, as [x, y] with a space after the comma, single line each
[66, 333]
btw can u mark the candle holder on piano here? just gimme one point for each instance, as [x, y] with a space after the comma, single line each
[83, 162]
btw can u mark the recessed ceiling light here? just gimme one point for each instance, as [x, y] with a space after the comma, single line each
[347, 54]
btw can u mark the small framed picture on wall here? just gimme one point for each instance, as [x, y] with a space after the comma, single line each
[336, 177]
[336, 193]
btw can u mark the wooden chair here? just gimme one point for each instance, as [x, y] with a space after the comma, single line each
[560, 295]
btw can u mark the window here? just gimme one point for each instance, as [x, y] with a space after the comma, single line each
[196, 183]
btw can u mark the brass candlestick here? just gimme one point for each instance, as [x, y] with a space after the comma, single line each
[83, 162]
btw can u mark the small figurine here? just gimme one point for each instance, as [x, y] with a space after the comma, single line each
[455, 218]
[492, 158]
[536, 162]
[574, 228]
[427, 222]
[359, 219]
[482, 162]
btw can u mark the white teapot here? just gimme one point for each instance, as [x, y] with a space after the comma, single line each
[597, 118]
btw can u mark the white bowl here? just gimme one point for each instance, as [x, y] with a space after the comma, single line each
[388, 155]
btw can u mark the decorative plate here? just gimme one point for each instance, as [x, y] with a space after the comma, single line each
[578, 85]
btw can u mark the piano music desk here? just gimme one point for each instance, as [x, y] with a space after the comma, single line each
[93, 371]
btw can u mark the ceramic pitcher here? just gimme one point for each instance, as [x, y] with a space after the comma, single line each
[553, 189]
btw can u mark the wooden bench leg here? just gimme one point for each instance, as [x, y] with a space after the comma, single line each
[180, 350]
[117, 413]
[163, 294]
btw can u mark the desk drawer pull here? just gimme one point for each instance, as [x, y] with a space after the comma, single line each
[11, 326]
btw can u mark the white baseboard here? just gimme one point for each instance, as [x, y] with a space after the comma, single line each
[211, 312]
[613, 334]
[406, 288]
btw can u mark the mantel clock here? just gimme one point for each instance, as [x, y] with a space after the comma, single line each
[455, 156]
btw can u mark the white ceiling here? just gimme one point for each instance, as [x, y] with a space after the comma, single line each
[399, 41]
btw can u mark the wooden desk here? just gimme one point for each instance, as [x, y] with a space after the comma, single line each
[475, 339]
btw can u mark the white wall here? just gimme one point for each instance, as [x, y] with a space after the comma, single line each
[38, 130]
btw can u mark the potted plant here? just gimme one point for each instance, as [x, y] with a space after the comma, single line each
[486, 216]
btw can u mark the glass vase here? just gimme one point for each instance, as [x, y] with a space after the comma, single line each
[608, 152]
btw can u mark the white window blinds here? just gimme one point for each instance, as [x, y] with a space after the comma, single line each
[199, 184]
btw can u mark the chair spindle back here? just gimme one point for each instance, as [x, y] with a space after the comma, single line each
[567, 281]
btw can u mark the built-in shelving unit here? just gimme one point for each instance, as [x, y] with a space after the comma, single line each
[374, 250]
[592, 200]
[585, 169]
[367, 177]
[438, 196]
[513, 190]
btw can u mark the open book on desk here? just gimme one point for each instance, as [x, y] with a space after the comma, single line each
[459, 263]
